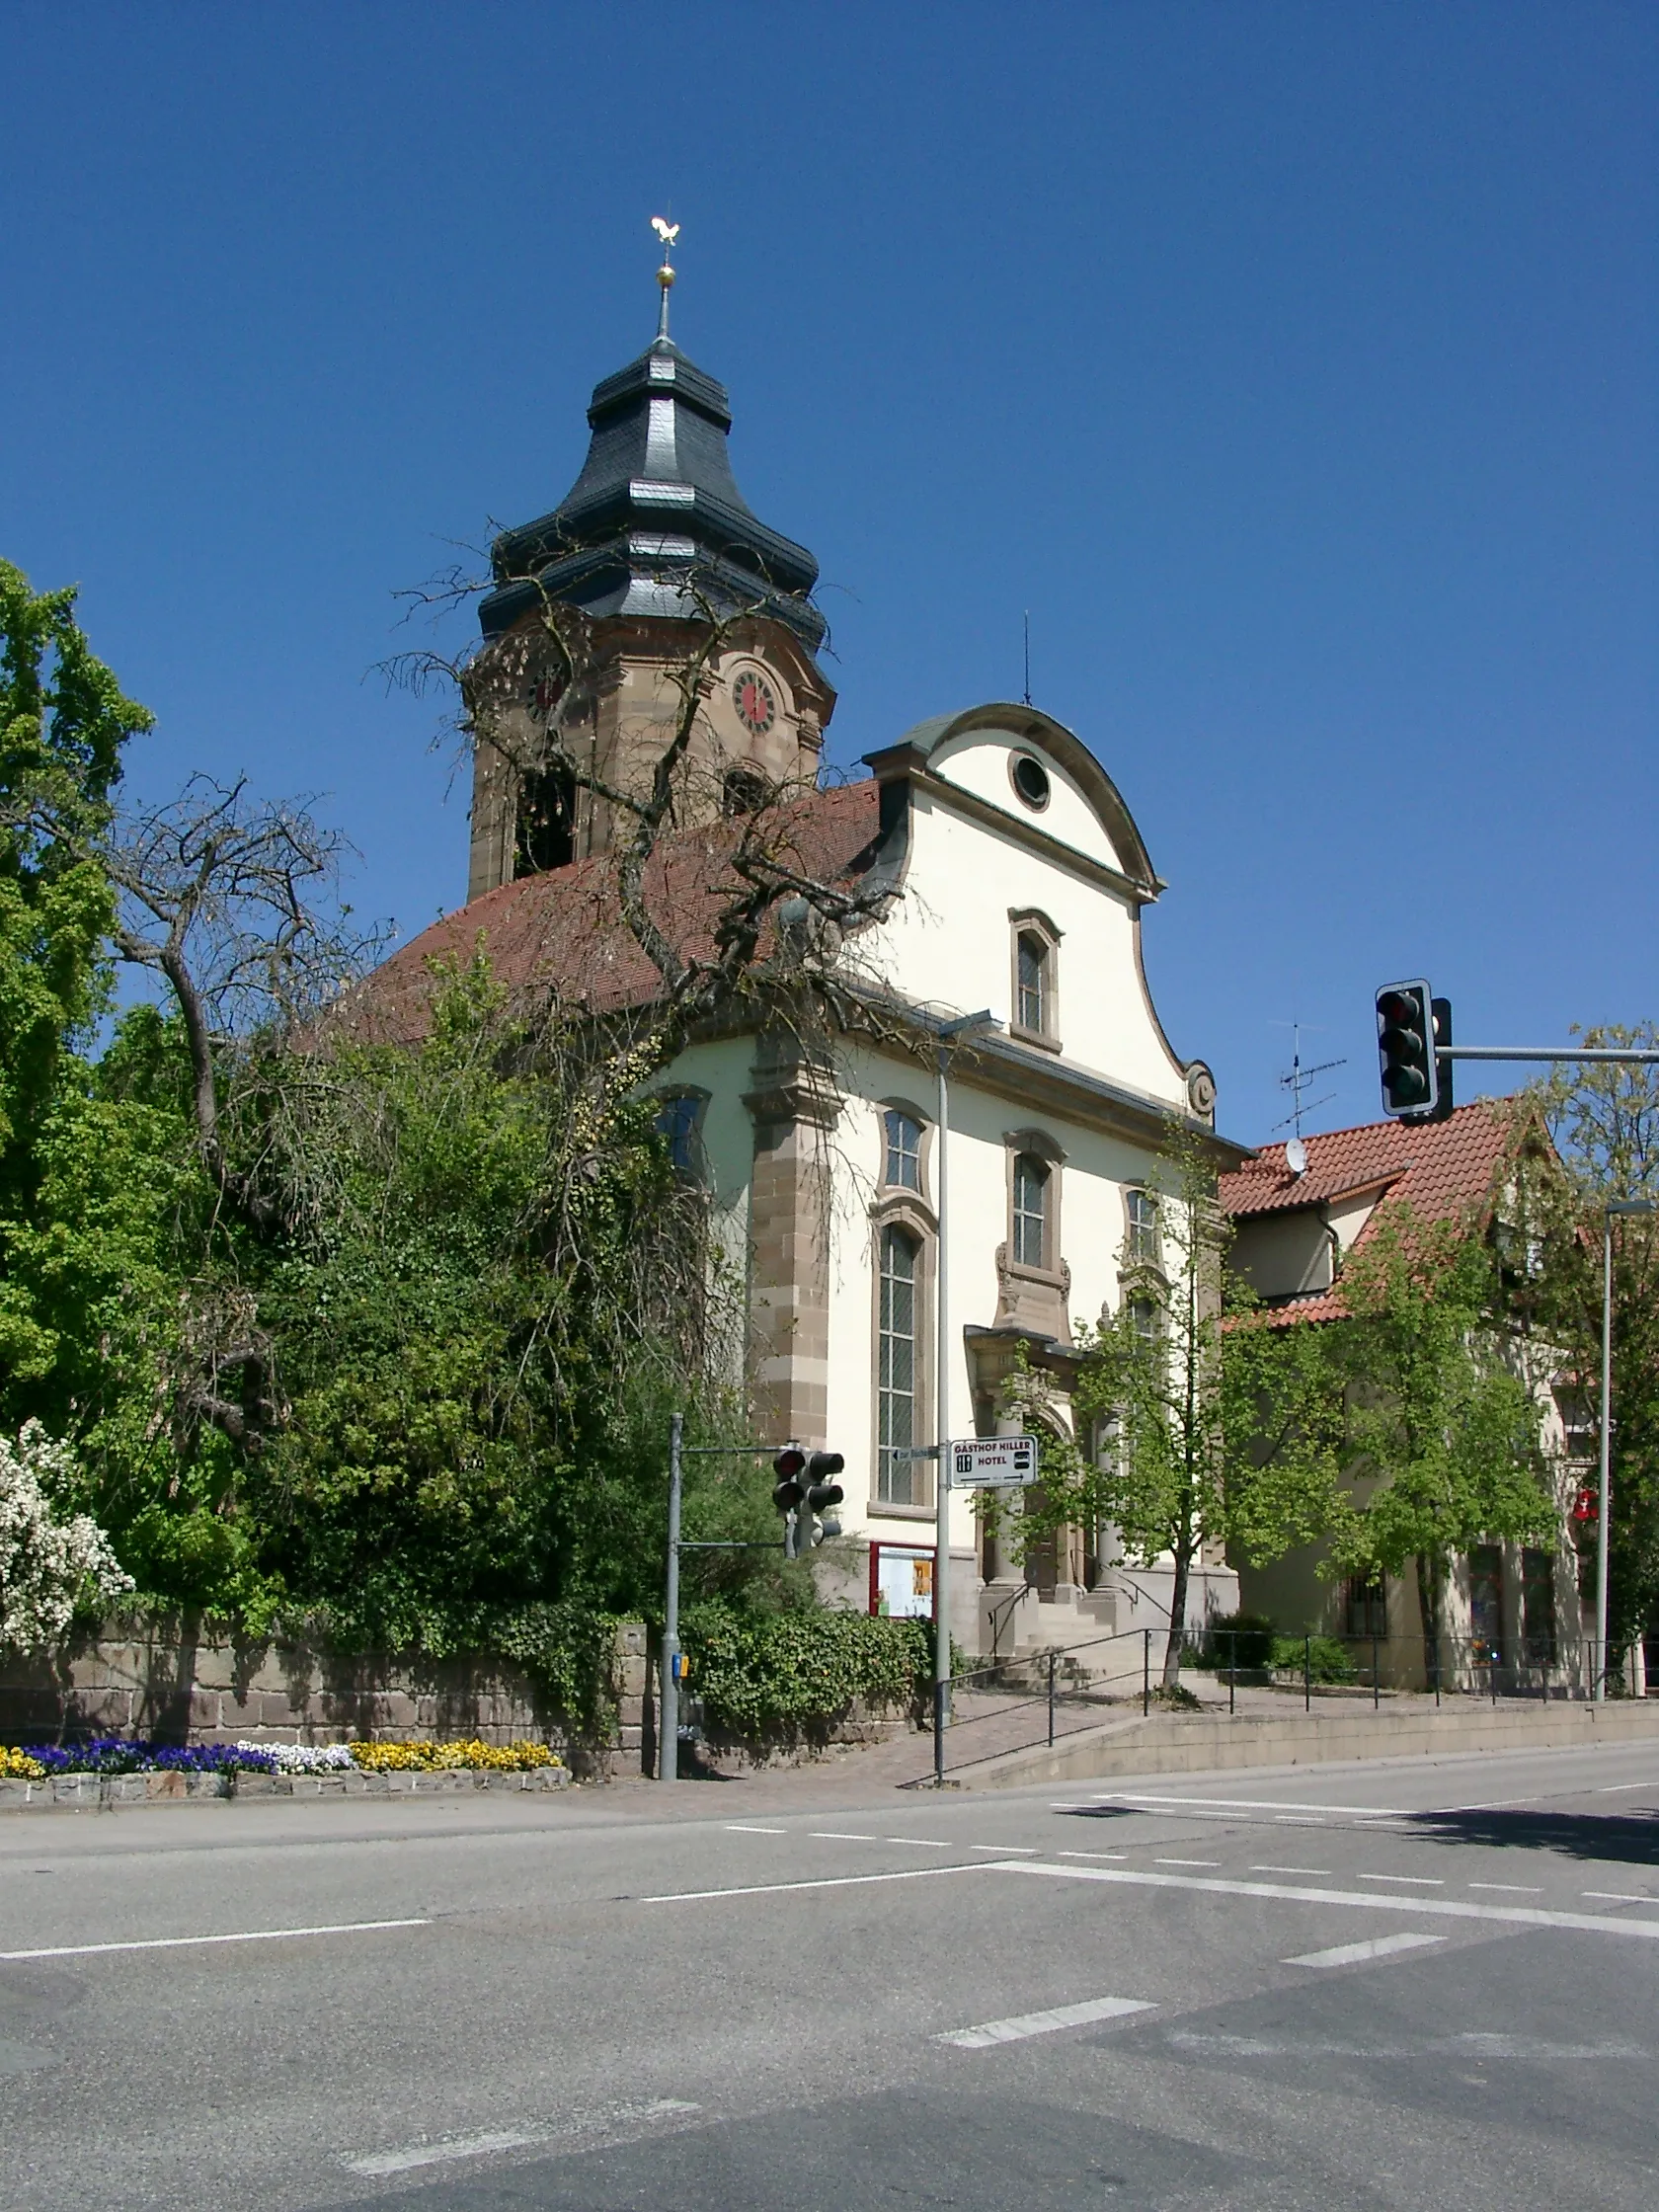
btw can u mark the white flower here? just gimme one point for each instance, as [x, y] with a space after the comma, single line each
[306, 1759]
[47, 1566]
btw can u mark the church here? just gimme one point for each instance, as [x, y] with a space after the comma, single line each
[893, 1271]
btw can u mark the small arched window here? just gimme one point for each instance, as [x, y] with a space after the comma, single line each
[1143, 1229]
[901, 1151]
[745, 791]
[679, 1124]
[1033, 960]
[1032, 1179]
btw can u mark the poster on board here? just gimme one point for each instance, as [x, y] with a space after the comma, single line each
[902, 1581]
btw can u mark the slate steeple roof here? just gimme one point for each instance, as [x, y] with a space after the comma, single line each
[654, 509]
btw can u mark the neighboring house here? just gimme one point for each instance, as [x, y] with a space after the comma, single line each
[1002, 869]
[1294, 1227]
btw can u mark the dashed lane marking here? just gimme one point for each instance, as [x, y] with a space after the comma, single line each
[1246, 1804]
[1008, 1850]
[829, 1881]
[1443, 1908]
[1022, 2024]
[1186, 1862]
[921, 1843]
[1407, 1881]
[1514, 1889]
[187, 1942]
[1624, 1896]
[743, 1828]
[842, 1836]
[444, 2149]
[1092, 1854]
[1284, 1870]
[1351, 1954]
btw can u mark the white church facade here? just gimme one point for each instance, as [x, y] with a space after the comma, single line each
[996, 868]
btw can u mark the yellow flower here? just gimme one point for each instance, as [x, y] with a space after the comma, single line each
[17, 1765]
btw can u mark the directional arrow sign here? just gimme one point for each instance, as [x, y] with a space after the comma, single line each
[994, 1462]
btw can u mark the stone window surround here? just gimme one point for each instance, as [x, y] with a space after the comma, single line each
[1038, 1145]
[898, 1207]
[925, 1165]
[1031, 922]
[1132, 1267]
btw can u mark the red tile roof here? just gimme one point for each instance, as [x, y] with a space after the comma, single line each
[563, 931]
[1439, 1170]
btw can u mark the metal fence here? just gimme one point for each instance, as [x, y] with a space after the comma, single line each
[1020, 1703]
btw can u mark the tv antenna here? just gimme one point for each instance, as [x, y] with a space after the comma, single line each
[1300, 1079]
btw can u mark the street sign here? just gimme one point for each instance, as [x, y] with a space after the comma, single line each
[994, 1462]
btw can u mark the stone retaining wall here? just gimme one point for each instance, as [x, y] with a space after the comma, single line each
[173, 1683]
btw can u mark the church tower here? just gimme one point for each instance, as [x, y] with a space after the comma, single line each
[655, 553]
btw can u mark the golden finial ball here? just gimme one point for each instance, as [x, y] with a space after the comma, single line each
[665, 277]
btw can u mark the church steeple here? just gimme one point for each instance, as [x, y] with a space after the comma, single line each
[652, 540]
[656, 515]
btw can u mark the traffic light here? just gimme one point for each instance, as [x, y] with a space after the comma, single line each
[822, 1493]
[1405, 1046]
[789, 1465]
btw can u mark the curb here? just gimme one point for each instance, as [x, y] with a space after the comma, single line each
[108, 1792]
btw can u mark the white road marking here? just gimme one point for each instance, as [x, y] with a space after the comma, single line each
[1616, 1788]
[1008, 1850]
[1022, 2024]
[416, 2155]
[1349, 1954]
[842, 1836]
[1514, 1889]
[1297, 1820]
[1407, 1881]
[1624, 1896]
[1093, 1854]
[829, 1881]
[185, 1942]
[921, 1843]
[1248, 1804]
[743, 1828]
[1478, 2047]
[1186, 1862]
[1520, 1916]
[1281, 1869]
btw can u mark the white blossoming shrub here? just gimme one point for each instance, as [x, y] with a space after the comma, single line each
[47, 1566]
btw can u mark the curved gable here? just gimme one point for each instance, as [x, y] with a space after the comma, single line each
[976, 750]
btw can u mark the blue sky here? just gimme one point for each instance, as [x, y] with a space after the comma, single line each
[1294, 366]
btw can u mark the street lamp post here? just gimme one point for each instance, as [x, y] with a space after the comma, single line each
[950, 1035]
[1621, 1207]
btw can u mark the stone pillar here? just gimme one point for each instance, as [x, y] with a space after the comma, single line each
[794, 1104]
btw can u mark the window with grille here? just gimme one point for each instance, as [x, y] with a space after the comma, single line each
[1143, 1229]
[1368, 1607]
[678, 1121]
[895, 1372]
[1033, 966]
[1031, 1210]
[901, 1163]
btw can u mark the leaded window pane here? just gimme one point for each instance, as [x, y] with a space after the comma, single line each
[901, 1167]
[1031, 1210]
[896, 1370]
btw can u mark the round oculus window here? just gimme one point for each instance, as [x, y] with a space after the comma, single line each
[1030, 779]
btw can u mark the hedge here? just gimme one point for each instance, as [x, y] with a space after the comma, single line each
[764, 1676]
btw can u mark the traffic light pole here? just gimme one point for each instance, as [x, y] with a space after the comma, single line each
[668, 1750]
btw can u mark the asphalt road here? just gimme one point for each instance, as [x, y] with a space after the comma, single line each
[1419, 1984]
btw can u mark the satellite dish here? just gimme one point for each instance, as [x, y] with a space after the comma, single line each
[1296, 1156]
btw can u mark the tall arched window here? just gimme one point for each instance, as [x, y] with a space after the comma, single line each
[896, 1368]
[1033, 962]
[1031, 1210]
[901, 1151]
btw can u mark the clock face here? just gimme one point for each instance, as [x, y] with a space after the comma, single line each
[752, 697]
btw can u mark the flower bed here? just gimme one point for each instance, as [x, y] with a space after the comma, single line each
[117, 1755]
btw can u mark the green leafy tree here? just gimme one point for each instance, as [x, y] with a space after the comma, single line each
[1604, 1122]
[1442, 1423]
[1196, 1421]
